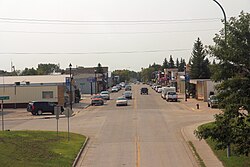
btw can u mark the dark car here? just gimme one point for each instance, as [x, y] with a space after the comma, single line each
[212, 101]
[40, 107]
[144, 91]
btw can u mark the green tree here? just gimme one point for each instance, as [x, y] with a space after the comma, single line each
[46, 69]
[177, 63]
[165, 64]
[182, 65]
[171, 62]
[29, 71]
[147, 74]
[233, 71]
[199, 62]
[99, 69]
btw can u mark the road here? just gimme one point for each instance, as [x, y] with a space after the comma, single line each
[146, 133]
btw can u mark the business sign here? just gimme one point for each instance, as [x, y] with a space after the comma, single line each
[91, 79]
[4, 97]
[68, 83]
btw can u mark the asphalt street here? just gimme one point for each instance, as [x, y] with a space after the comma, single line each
[144, 134]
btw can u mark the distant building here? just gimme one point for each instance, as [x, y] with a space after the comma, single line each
[23, 89]
[89, 81]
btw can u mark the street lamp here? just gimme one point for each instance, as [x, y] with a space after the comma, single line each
[225, 18]
[95, 81]
[70, 88]
[185, 82]
[70, 94]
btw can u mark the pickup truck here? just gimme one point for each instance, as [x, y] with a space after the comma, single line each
[171, 96]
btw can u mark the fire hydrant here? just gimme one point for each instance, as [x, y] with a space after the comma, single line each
[197, 106]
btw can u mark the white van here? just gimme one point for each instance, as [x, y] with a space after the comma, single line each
[167, 89]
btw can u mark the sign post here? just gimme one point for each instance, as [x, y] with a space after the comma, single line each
[3, 98]
[57, 110]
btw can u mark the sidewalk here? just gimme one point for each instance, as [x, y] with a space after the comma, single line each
[85, 102]
[202, 148]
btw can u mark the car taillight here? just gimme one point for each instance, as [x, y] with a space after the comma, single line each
[33, 107]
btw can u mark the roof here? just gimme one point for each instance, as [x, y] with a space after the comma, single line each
[33, 79]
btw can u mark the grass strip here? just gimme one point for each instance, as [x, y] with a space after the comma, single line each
[197, 156]
[39, 148]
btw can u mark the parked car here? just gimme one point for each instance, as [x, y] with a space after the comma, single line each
[128, 87]
[105, 95]
[97, 100]
[144, 91]
[167, 89]
[121, 101]
[171, 96]
[40, 107]
[212, 101]
[114, 89]
[127, 94]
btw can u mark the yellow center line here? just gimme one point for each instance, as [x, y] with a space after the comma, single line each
[138, 152]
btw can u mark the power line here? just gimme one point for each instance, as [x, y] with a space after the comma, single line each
[105, 22]
[103, 52]
[89, 33]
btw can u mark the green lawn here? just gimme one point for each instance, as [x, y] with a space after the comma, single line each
[38, 148]
[233, 161]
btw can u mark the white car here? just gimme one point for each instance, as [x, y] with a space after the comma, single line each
[105, 95]
[114, 89]
[121, 101]
[127, 94]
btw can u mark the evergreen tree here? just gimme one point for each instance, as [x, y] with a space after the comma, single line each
[182, 65]
[165, 64]
[171, 62]
[199, 62]
[177, 63]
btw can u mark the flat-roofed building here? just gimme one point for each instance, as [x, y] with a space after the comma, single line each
[23, 89]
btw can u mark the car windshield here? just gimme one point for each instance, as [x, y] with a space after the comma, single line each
[171, 93]
[121, 98]
[105, 92]
[98, 96]
[213, 97]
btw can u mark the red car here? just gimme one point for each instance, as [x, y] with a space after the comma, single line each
[97, 100]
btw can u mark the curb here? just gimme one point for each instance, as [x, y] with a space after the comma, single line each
[80, 152]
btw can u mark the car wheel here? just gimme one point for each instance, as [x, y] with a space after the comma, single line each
[39, 112]
[33, 113]
[208, 104]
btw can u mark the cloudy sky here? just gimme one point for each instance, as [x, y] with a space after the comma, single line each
[121, 34]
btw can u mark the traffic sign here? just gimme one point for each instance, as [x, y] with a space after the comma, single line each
[4, 97]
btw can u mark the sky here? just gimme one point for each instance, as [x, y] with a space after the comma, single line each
[120, 34]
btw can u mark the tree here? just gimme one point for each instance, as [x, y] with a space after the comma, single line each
[29, 71]
[177, 63]
[199, 62]
[233, 71]
[99, 69]
[165, 64]
[182, 65]
[46, 69]
[171, 62]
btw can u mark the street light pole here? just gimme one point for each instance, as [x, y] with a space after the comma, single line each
[225, 19]
[225, 31]
[70, 94]
[185, 81]
[95, 82]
